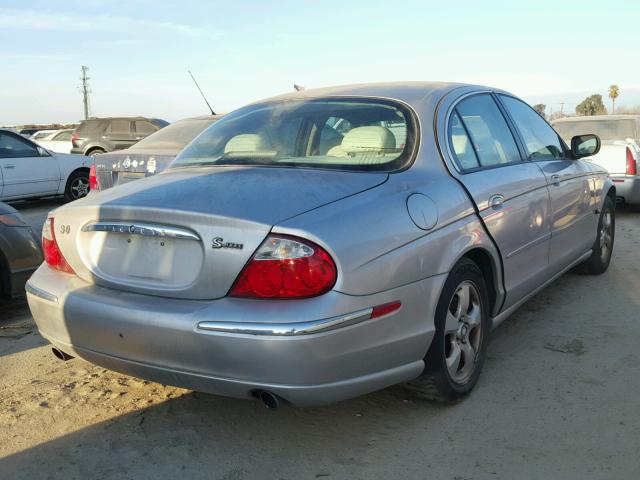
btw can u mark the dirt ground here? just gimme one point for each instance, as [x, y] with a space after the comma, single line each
[559, 398]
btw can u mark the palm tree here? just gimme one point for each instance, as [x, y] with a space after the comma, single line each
[614, 91]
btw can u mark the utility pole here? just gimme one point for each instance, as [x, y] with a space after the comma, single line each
[84, 89]
[562, 109]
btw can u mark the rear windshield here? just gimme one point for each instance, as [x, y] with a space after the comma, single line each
[174, 136]
[607, 130]
[350, 134]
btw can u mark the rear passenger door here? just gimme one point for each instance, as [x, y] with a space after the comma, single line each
[571, 187]
[510, 193]
[120, 133]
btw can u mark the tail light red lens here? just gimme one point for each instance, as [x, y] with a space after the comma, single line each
[52, 254]
[632, 166]
[286, 267]
[93, 178]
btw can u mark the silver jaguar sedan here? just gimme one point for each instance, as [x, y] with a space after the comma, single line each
[324, 244]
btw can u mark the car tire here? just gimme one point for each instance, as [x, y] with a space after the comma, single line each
[600, 258]
[77, 186]
[458, 350]
[95, 151]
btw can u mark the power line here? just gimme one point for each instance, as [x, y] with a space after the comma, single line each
[85, 90]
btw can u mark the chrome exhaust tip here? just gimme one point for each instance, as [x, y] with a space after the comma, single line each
[60, 355]
[271, 401]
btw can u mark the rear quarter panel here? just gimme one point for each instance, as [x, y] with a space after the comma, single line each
[68, 164]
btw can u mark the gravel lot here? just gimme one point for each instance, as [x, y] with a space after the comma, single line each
[558, 399]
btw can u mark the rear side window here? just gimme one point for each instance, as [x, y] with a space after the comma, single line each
[479, 134]
[63, 136]
[145, 127]
[119, 126]
[90, 126]
[541, 141]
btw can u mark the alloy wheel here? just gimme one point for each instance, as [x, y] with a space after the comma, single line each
[463, 332]
[605, 236]
[79, 188]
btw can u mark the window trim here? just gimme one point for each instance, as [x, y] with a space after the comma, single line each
[565, 149]
[451, 152]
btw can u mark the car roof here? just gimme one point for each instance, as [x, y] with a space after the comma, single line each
[408, 92]
[202, 117]
[97, 119]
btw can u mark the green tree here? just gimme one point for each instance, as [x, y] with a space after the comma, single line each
[540, 108]
[591, 105]
[614, 91]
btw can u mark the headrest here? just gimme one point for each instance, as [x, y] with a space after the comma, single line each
[369, 139]
[246, 142]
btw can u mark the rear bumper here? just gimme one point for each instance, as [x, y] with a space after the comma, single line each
[163, 340]
[627, 188]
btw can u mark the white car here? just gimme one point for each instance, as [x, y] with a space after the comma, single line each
[28, 170]
[56, 140]
[620, 151]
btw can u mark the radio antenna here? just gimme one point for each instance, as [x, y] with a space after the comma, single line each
[200, 90]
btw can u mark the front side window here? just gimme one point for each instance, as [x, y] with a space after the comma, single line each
[541, 141]
[349, 134]
[489, 142]
[15, 147]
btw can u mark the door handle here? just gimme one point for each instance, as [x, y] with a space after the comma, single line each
[496, 201]
[555, 180]
[9, 167]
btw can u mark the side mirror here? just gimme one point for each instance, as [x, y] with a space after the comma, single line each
[585, 145]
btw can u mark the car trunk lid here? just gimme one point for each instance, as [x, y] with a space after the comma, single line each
[189, 232]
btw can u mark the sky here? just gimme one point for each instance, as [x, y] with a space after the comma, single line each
[138, 52]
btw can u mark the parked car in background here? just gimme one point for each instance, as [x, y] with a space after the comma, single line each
[267, 262]
[43, 134]
[150, 155]
[27, 132]
[58, 141]
[20, 252]
[620, 151]
[28, 170]
[102, 135]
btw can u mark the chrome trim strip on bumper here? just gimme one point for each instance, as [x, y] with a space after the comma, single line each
[146, 230]
[288, 329]
[40, 293]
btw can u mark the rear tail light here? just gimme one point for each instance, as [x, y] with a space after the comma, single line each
[93, 179]
[74, 139]
[286, 267]
[12, 220]
[632, 166]
[52, 254]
